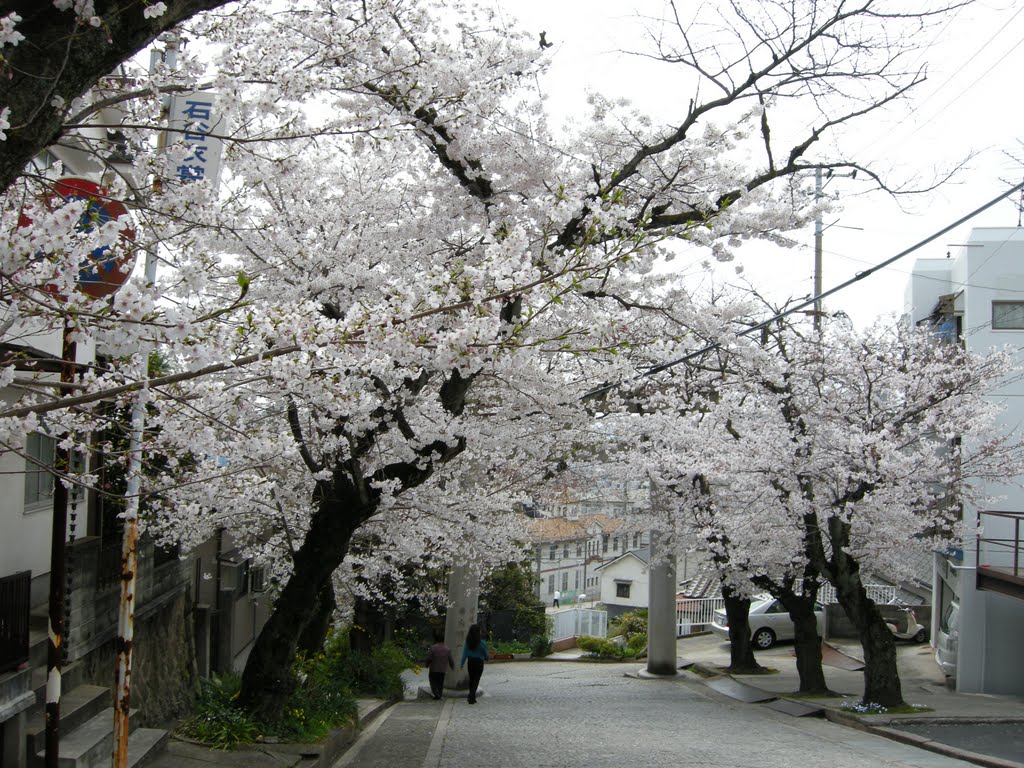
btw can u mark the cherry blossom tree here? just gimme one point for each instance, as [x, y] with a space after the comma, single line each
[386, 317]
[830, 457]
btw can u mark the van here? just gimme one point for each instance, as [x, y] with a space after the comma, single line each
[947, 639]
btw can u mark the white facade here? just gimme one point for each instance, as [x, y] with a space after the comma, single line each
[977, 296]
[625, 583]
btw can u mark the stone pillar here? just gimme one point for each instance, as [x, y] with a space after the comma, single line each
[463, 598]
[661, 614]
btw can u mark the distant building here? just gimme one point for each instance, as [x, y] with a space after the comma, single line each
[976, 299]
[567, 552]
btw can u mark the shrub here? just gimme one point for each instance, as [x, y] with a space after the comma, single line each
[631, 625]
[325, 697]
[540, 646]
[602, 648]
[509, 646]
[218, 722]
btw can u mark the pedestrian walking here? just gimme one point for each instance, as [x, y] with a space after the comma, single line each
[555, 598]
[439, 661]
[475, 652]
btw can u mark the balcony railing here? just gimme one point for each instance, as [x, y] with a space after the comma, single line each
[1001, 551]
[15, 595]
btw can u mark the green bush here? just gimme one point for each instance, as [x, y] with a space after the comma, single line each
[375, 674]
[630, 625]
[324, 699]
[509, 646]
[540, 646]
[218, 722]
[602, 648]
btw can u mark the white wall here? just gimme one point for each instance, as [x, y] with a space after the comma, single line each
[626, 569]
[24, 534]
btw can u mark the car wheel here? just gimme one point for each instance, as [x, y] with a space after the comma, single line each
[921, 636]
[764, 638]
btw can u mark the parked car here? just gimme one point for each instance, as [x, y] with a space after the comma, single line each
[947, 639]
[769, 622]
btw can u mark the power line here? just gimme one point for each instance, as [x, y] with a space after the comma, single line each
[814, 299]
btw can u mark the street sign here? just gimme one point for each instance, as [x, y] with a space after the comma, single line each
[105, 269]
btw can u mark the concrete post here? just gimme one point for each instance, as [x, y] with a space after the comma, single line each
[463, 599]
[661, 615]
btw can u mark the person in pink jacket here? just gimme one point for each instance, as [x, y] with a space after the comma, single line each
[439, 661]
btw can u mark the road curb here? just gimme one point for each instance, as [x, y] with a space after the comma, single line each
[922, 742]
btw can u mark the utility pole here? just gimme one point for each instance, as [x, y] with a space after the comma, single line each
[818, 233]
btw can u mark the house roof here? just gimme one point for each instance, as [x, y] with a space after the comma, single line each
[643, 555]
[551, 529]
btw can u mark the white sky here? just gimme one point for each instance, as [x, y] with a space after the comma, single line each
[971, 103]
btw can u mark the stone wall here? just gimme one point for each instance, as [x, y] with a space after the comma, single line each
[164, 678]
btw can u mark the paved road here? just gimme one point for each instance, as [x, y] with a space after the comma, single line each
[573, 715]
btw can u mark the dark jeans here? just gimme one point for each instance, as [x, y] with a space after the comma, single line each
[476, 668]
[436, 684]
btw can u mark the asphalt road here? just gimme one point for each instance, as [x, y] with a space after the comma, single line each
[576, 715]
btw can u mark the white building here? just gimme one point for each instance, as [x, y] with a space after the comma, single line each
[625, 584]
[567, 552]
[976, 298]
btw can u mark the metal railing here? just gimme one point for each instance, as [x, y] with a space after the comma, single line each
[1004, 553]
[15, 599]
[696, 614]
[574, 622]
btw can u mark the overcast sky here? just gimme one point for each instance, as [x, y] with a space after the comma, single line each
[971, 103]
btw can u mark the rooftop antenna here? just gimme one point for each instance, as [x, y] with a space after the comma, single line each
[1020, 207]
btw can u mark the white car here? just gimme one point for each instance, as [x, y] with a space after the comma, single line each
[769, 622]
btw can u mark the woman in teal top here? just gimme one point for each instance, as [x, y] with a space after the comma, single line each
[475, 652]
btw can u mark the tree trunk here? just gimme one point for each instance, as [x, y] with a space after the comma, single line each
[881, 676]
[311, 641]
[360, 636]
[741, 652]
[267, 680]
[807, 643]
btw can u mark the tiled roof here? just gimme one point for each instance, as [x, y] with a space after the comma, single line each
[549, 529]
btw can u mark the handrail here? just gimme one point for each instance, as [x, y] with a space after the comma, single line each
[992, 555]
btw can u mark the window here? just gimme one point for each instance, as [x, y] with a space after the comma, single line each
[635, 537]
[565, 551]
[622, 589]
[565, 581]
[604, 543]
[38, 480]
[553, 552]
[615, 544]
[577, 580]
[1008, 315]
[579, 549]
[551, 584]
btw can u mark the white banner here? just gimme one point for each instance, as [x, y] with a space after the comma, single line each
[195, 120]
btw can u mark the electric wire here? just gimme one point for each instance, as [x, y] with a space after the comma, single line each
[810, 301]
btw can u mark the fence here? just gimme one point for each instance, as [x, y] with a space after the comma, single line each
[15, 595]
[696, 614]
[574, 622]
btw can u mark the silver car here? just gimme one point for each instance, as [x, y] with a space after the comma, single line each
[769, 622]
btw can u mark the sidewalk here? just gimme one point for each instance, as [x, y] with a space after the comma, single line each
[984, 729]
